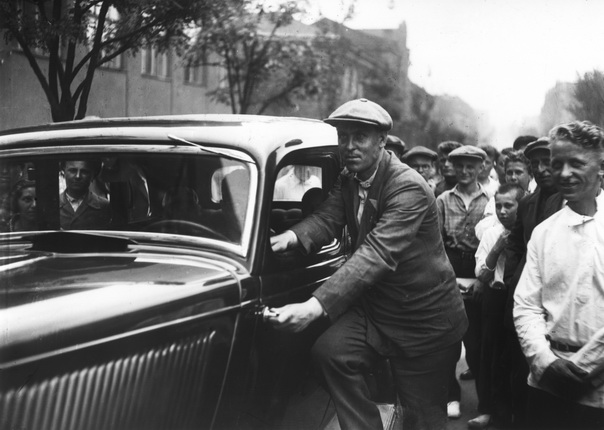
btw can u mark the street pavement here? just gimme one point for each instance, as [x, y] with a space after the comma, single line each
[469, 401]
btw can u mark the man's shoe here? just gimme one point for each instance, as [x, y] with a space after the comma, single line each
[466, 376]
[480, 422]
[453, 409]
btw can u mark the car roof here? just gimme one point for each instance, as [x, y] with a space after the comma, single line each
[256, 135]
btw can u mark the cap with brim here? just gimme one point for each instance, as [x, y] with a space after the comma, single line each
[420, 151]
[361, 111]
[395, 141]
[468, 151]
[541, 143]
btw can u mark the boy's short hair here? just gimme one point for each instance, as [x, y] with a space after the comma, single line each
[511, 188]
[518, 157]
[491, 151]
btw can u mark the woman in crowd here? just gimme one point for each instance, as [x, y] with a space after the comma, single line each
[24, 206]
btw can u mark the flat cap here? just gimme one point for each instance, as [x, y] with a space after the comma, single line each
[421, 151]
[395, 141]
[363, 111]
[541, 143]
[468, 151]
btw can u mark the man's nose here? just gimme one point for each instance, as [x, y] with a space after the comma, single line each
[348, 143]
[565, 171]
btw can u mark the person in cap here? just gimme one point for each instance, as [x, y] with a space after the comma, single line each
[558, 301]
[459, 210]
[395, 145]
[395, 297]
[421, 159]
[532, 210]
[522, 142]
[445, 167]
[487, 178]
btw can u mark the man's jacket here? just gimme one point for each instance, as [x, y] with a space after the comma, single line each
[398, 271]
[92, 214]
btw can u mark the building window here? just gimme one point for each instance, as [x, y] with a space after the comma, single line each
[196, 75]
[155, 63]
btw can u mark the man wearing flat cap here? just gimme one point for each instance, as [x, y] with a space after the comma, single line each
[421, 159]
[396, 295]
[396, 145]
[459, 210]
[532, 210]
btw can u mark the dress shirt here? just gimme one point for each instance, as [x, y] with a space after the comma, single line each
[292, 188]
[491, 186]
[487, 242]
[457, 222]
[75, 203]
[561, 294]
[363, 186]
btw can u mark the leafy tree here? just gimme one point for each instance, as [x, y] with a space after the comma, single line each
[79, 36]
[264, 65]
[589, 96]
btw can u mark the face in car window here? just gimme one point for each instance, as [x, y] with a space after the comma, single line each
[78, 175]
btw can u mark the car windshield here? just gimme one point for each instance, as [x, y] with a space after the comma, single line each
[180, 194]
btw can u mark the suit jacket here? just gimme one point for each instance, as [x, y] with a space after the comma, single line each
[398, 271]
[93, 213]
[532, 209]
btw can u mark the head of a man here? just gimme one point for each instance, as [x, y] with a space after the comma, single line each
[421, 159]
[517, 169]
[468, 162]
[500, 165]
[362, 130]
[396, 145]
[445, 165]
[577, 161]
[490, 161]
[521, 142]
[78, 176]
[506, 203]
[539, 156]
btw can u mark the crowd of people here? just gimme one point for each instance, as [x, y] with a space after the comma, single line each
[502, 251]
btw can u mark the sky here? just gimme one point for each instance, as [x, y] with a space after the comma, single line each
[500, 56]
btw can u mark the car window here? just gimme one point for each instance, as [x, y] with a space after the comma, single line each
[293, 181]
[183, 194]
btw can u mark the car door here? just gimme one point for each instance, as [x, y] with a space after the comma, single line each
[286, 394]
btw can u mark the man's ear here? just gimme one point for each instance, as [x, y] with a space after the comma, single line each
[383, 139]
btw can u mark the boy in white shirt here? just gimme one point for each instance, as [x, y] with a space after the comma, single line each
[490, 263]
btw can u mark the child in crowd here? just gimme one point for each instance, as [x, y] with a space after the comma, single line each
[490, 263]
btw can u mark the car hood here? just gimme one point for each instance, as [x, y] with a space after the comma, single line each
[65, 299]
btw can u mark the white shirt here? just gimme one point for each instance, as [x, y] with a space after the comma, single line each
[561, 294]
[292, 188]
[487, 242]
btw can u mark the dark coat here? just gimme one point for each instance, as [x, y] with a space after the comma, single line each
[532, 210]
[398, 271]
[94, 213]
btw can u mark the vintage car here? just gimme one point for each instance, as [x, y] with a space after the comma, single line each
[152, 317]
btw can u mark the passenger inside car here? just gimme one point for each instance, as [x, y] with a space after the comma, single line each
[23, 207]
[182, 203]
[81, 208]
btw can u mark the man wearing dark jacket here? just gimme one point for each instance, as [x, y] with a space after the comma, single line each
[532, 210]
[396, 296]
[80, 208]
